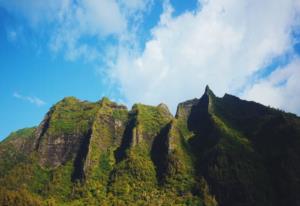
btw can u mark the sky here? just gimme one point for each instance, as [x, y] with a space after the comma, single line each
[147, 51]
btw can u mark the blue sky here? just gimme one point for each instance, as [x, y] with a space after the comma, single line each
[145, 51]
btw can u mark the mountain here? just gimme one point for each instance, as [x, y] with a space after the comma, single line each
[215, 151]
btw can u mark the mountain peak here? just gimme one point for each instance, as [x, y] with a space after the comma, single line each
[207, 88]
[105, 100]
[208, 91]
[147, 152]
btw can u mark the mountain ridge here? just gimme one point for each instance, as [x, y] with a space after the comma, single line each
[214, 151]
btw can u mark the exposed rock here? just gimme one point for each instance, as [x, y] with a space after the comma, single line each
[107, 132]
[63, 130]
[184, 108]
[41, 129]
[165, 109]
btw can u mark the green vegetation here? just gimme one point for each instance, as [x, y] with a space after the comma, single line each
[216, 151]
[71, 115]
[20, 197]
[150, 119]
[9, 158]
[23, 134]
[15, 148]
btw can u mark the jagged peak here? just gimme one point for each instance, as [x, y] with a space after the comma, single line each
[207, 88]
[165, 109]
[207, 99]
[162, 108]
[208, 91]
[105, 101]
[162, 105]
[70, 99]
[184, 108]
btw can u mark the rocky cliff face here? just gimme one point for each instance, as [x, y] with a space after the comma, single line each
[215, 151]
[65, 129]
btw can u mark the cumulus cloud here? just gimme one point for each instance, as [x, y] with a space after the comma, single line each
[74, 23]
[222, 44]
[87, 19]
[100, 17]
[97, 19]
[31, 99]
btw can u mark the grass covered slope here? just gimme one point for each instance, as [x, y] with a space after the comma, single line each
[15, 148]
[215, 151]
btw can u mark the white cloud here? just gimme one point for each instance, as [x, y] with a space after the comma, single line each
[97, 19]
[79, 29]
[73, 23]
[31, 99]
[281, 89]
[87, 19]
[221, 44]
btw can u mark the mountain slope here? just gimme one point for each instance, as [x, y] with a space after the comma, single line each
[215, 151]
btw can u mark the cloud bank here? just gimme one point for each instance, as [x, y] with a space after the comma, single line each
[223, 43]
